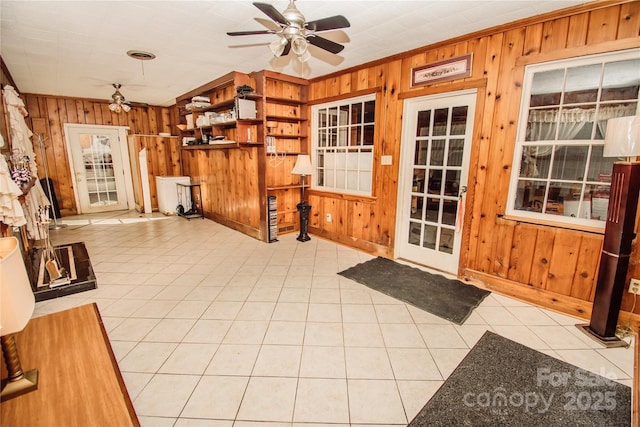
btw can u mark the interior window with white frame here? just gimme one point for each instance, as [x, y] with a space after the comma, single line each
[559, 172]
[342, 141]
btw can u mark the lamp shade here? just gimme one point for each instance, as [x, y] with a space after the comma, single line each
[303, 165]
[622, 137]
[16, 297]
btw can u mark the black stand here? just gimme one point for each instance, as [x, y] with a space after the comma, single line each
[304, 208]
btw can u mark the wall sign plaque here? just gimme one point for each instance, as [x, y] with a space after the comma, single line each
[449, 69]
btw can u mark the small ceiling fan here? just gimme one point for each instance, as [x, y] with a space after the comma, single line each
[118, 103]
[295, 33]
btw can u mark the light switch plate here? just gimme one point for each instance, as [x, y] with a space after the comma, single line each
[386, 160]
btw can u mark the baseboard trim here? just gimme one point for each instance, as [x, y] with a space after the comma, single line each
[561, 303]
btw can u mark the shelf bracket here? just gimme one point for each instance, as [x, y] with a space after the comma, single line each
[248, 148]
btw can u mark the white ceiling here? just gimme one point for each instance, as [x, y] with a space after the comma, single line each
[78, 48]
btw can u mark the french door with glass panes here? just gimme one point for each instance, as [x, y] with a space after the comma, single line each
[436, 143]
[98, 167]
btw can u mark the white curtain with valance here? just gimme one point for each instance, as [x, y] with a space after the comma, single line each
[554, 125]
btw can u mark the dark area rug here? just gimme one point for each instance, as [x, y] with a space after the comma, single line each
[503, 383]
[450, 299]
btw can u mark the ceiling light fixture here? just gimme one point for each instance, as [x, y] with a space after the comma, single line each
[297, 43]
[296, 33]
[277, 46]
[299, 46]
[119, 104]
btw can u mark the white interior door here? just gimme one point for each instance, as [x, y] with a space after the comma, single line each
[436, 142]
[98, 167]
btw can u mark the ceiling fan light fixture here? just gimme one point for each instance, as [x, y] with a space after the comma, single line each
[296, 33]
[305, 56]
[277, 46]
[119, 103]
[299, 45]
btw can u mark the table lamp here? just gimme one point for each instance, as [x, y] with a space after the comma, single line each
[622, 139]
[303, 167]
[16, 307]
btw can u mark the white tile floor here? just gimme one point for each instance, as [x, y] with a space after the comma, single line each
[213, 328]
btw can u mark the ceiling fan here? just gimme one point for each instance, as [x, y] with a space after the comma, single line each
[295, 33]
[118, 103]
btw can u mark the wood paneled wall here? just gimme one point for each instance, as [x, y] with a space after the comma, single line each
[552, 266]
[48, 114]
[231, 185]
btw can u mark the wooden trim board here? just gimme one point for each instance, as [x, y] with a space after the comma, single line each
[561, 303]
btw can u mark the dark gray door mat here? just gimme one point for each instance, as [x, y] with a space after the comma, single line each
[503, 383]
[450, 299]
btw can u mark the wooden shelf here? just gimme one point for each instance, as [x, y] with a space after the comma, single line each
[229, 103]
[251, 95]
[217, 106]
[228, 144]
[230, 124]
[231, 144]
[286, 119]
[246, 146]
[282, 136]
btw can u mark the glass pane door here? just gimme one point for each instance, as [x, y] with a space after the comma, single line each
[436, 151]
[98, 168]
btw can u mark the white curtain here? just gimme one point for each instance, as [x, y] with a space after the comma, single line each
[569, 122]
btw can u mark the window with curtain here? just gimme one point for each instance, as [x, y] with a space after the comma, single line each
[342, 139]
[559, 172]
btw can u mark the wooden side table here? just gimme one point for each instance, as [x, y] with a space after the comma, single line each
[79, 382]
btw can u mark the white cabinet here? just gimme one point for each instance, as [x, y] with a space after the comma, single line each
[167, 189]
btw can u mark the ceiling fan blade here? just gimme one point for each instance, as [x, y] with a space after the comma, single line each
[325, 44]
[287, 48]
[249, 33]
[272, 13]
[331, 23]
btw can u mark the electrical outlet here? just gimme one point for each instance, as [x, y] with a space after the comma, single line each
[329, 218]
[634, 286]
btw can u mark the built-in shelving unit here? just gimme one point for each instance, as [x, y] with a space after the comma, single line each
[285, 127]
[223, 95]
[256, 192]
